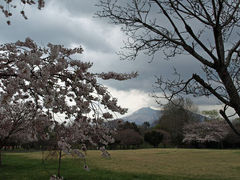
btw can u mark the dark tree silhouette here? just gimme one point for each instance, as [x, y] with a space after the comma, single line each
[207, 31]
[153, 137]
[128, 137]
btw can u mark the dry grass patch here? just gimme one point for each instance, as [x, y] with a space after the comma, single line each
[183, 162]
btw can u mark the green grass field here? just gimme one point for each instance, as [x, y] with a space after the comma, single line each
[146, 164]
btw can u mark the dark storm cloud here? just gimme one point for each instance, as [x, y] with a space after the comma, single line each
[55, 24]
[78, 7]
[148, 71]
[72, 23]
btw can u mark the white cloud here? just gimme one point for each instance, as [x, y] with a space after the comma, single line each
[133, 99]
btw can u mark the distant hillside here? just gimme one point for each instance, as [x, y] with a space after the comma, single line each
[150, 115]
[144, 114]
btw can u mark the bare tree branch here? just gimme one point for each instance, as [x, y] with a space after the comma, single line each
[202, 29]
[230, 53]
[229, 122]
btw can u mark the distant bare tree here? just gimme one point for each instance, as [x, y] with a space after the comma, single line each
[207, 31]
[128, 137]
[175, 117]
[153, 137]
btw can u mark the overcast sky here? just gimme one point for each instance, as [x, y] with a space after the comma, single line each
[72, 23]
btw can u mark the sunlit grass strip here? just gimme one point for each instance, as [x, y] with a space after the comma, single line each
[178, 162]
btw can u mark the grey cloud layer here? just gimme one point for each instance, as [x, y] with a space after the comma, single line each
[72, 23]
[56, 24]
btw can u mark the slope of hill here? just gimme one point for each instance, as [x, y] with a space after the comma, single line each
[150, 115]
[144, 114]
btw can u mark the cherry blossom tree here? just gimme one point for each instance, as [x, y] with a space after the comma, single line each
[59, 86]
[54, 82]
[204, 132]
[46, 83]
[21, 122]
[64, 139]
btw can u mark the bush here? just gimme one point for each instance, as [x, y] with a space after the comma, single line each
[153, 137]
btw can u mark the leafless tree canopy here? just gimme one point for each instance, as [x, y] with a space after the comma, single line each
[206, 30]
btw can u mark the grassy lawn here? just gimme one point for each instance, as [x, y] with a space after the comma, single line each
[162, 164]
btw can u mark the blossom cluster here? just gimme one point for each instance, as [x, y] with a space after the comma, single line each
[202, 132]
[55, 177]
[48, 90]
[50, 78]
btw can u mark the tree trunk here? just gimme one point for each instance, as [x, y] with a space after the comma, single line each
[230, 88]
[59, 163]
[234, 98]
[0, 156]
[1, 147]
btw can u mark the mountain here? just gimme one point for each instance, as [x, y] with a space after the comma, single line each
[144, 114]
[150, 115]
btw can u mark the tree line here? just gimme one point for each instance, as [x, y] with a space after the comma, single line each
[179, 126]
